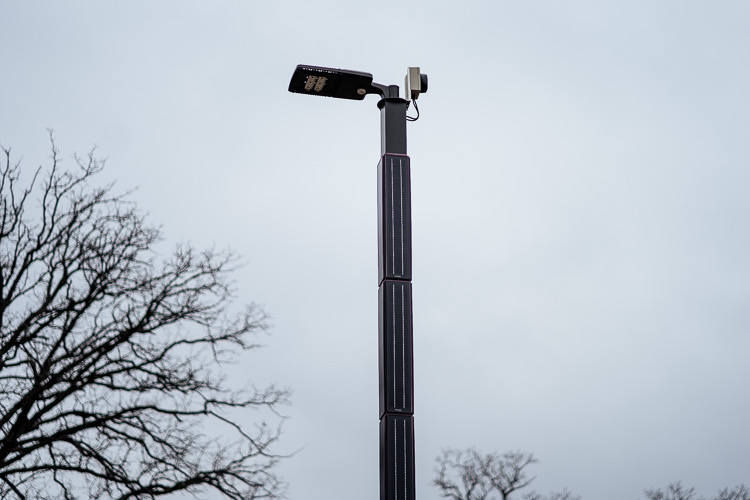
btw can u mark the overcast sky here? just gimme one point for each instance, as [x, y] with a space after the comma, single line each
[580, 178]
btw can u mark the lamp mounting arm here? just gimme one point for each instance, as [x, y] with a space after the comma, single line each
[385, 91]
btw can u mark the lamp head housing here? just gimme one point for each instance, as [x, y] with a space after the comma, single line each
[332, 82]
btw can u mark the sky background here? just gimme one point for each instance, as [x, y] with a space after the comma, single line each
[580, 178]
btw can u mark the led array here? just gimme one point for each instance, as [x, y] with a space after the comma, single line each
[315, 83]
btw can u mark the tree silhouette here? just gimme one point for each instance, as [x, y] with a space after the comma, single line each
[740, 492]
[471, 475]
[555, 495]
[676, 491]
[109, 357]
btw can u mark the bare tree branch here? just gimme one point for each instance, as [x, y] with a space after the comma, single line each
[740, 492]
[676, 491]
[109, 356]
[555, 495]
[470, 475]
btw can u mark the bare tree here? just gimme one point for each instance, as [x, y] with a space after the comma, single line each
[740, 492]
[109, 356]
[676, 491]
[555, 495]
[470, 475]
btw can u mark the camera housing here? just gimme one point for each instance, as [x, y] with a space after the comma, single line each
[415, 83]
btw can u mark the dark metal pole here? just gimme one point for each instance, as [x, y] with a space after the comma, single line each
[395, 342]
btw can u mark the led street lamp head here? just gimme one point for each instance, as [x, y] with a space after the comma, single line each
[331, 82]
[355, 85]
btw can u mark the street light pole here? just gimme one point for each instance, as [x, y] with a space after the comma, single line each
[395, 344]
[395, 339]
